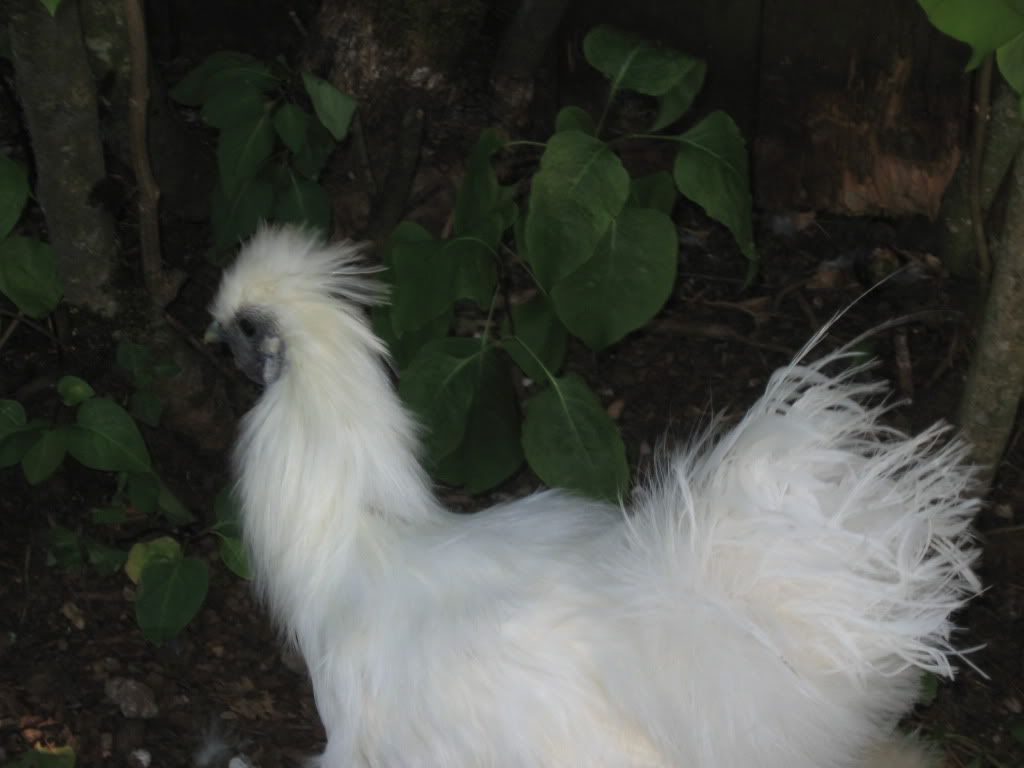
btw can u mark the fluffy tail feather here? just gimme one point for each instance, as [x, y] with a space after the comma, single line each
[847, 542]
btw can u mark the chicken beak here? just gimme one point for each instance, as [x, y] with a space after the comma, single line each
[214, 334]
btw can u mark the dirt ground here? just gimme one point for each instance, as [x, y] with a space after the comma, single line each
[67, 635]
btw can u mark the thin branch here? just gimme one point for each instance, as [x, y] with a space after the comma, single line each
[982, 108]
[29, 324]
[149, 194]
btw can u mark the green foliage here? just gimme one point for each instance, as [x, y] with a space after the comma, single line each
[987, 26]
[603, 252]
[52, 6]
[172, 588]
[28, 269]
[270, 149]
[229, 530]
[42, 756]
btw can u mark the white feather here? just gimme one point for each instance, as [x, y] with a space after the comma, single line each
[769, 599]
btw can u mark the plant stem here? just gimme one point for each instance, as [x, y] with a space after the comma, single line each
[11, 328]
[525, 143]
[149, 193]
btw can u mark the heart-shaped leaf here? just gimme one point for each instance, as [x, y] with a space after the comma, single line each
[28, 275]
[334, 108]
[571, 442]
[629, 279]
[490, 449]
[241, 151]
[73, 390]
[711, 169]
[575, 119]
[439, 386]
[580, 187]
[303, 202]
[234, 107]
[13, 193]
[539, 329]
[171, 593]
[983, 24]
[106, 438]
[46, 454]
[292, 124]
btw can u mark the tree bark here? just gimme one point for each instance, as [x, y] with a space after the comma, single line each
[55, 86]
[995, 380]
[1005, 137]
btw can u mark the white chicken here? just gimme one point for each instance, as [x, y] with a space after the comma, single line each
[768, 599]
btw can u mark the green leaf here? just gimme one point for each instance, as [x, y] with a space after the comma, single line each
[657, 191]
[171, 506]
[538, 327]
[580, 187]
[304, 202]
[637, 64]
[292, 124]
[334, 108]
[242, 150]
[171, 593]
[1010, 58]
[711, 170]
[424, 279]
[52, 6]
[103, 558]
[106, 438]
[15, 443]
[490, 450]
[575, 119]
[13, 193]
[404, 348]
[143, 489]
[476, 273]
[73, 390]
[236, 217]
[983, 24]
[625, 284]
[234, 107]
[46, 454]
[571, 442]
[41, 756]
[164, 548]
[678, 99]
[65, 550]
[228, 510]
[312, 157]
[221, 71]
[146, 406]
[12, 417]
[28, 275]
[109, 515]
[481, 206]
[438, 387]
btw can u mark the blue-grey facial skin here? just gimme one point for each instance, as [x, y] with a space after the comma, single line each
[255, 343]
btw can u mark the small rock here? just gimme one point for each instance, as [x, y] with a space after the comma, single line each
[1013, 705]
[73, 614]
[140, 758]
[240, 761]
[292, 659]
[615, 408]
[107, 744]
[135, 699]
[1003, 511]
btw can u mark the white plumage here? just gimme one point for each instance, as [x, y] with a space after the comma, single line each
[768, 599]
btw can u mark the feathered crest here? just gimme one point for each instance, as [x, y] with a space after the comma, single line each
[293, 258]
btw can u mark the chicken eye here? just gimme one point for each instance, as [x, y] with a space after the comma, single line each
[245, 325]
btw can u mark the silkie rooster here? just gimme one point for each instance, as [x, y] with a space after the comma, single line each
[768, 599]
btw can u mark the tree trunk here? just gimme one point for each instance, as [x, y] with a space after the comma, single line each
[996, 377]
[1005, 135]
[56, 89]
